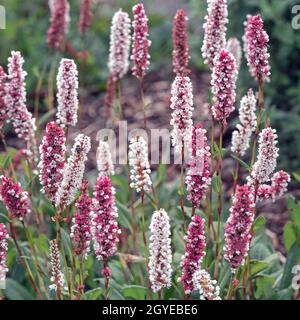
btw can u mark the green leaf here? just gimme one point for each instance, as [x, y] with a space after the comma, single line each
[289, 236]
[241, 162]
[296, 176]
[264, 287]
[258, 266]
[135, 292]
[124, 216]
[93, 294]
[291, 260]
[258, 223]
[15, 291]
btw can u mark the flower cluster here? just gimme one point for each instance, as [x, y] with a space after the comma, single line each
[256, 48]
[194, 252]
[3, 251]
[59, 23]
[182, 104]
[52, 153]
[223, 84]
[73, 171]
[266, 159]
[104, 228]
[160, 269]
[241, 136]
[208, 288]
[238, 227]
[278, 187]
[180, 44]
[214, 30]
[118, 63]
[15, 100]
[81, 228]
[296, 277]
[57, 279]
[3, 109]
[198, 176]
[140, 168]
[14, 198]
[67, 92]
[86, 15]
[140, 55]
[234, 47]
[104, 160]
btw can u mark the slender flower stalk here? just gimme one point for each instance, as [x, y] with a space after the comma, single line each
[140, 42]
[234, 47]
[73, 172]
[52, 151]
[256, 48]
[223, 84]
[140, 168]
[180, 44]
[86, 15]
[104, 229]
[208, 288]
[59, 23]
[14, 198]
[104, 160]
[15, 100]
[57, 279]
[241, 136]
[67, 93]
[194, 253]
[160, 269]
[110, 94]
[238, 227]
[3, 90]
[3, 251]
[198, 175]
[214, 30]
[81, 228]
[182, 106]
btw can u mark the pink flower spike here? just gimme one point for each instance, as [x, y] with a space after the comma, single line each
[14, 198]
[256, 48]
[3, 90]
[105, 230]
[180, 44]
[194, 253]
[242, 135]
[198, 175]
[278, 187]
[105, 164]
[59, 23]
[52, 151]
[86, 15]
[81, 228]
[57, 278]
[118, 63]
[234, 47]
[23, 122]
[160, 268]
[214, 30]
[238, 227]
[208, 288]
[140, 55]
[67, 93]
[182, 105]
[3, 252]
[223, 84]
[266, 160]
[73, 171]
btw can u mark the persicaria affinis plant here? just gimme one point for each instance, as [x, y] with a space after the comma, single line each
[3, 251]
